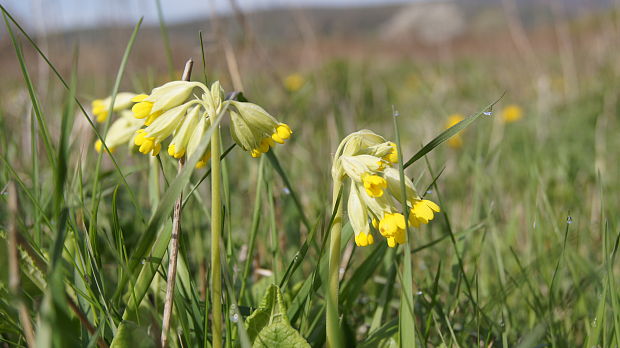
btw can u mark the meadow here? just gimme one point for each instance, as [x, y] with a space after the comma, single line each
[521, 254]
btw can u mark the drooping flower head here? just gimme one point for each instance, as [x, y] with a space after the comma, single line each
[375, 196]
[184, 111]
[255, 130]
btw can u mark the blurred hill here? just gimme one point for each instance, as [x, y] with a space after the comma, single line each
[306, 35]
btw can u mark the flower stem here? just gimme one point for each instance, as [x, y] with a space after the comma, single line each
[174, 244]
[216, 227]
[333, 331]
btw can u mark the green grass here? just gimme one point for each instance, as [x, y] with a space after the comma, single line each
[522, 254]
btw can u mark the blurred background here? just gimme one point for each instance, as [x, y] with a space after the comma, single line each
[344, 64]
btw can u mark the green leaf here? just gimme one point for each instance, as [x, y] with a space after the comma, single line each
[268, 326]
[280, 334]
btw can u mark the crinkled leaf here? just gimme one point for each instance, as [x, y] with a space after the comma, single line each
[269, 325]
[279, 334]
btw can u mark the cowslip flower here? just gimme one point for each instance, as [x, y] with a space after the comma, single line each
[101, 107]
[149, 139]
[122, 131]
[375, 195]
[294, 82]
[184, 111]
[255, 130]
[161, 99]
[511, 113]
[456, 141]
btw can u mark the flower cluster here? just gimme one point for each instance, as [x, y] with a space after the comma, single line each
[183, 111]
[367, 159]
[123, 129]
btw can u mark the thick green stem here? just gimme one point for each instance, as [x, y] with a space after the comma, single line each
[333, 331]
[216, 228]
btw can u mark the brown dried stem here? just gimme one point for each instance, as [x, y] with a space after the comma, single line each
[174, 243]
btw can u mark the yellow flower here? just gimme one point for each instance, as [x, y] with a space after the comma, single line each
[181, 138]
[366, 159]
[294, 82]
[101, 107]
[282, 133]
[149, 139]
[254, 129]
[121, 131]
[511, 113]
[422, 211]
[358, 216]
[392, 157]
[392, 227]
[364, 142]
[456, 141]
[194, 140]
[374, 184]
[171, 109]
[163, 98]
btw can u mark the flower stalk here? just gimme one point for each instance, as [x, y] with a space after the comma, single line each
[174, 243]
[216, 227]
[333, 330]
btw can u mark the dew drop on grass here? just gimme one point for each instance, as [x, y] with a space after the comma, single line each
[428, 192]
[234, 316]
[488, 113]
[594, 323]
[419, 293]
[569, 220]
[286, 191]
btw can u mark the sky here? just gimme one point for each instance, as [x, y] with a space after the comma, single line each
[53, 15]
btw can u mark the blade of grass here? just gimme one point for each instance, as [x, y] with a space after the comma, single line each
[406, 324]
[6, 15]
[253, 229]
[276, 165]
[165, 37]
[36, 105]
[92, 228]
[448, 133]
